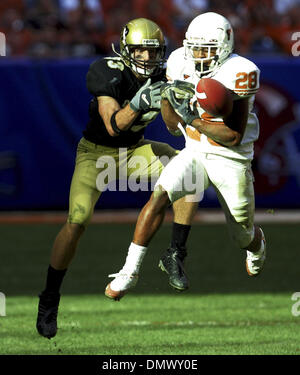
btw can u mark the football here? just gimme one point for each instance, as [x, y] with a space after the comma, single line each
[214, 97]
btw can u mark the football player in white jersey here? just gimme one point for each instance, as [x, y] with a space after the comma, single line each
[218, 151]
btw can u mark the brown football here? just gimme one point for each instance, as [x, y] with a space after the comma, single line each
[214, 97]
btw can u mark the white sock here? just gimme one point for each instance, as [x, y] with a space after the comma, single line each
[134, 258]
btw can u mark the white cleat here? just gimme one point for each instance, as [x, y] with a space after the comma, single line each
[255, 261]
[120, 285]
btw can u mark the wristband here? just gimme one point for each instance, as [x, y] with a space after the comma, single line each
[114, 124]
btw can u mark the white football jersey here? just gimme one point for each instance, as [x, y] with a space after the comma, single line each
[239, 75]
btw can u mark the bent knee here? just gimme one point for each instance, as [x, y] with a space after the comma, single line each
[79, 215]
[159, 200]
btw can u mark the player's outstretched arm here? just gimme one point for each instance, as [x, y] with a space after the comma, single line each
[115, 119]
[171, 118]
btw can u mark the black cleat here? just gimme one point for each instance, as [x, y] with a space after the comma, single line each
[172, 263]
[47, 314]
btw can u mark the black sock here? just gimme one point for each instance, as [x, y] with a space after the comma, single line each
[180, 234]
[54, 279]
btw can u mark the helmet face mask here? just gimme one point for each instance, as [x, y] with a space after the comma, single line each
[139, 35]
[146, 68]
[208, 60]
[212, 33]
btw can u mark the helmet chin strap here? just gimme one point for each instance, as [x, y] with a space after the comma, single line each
[114, 50]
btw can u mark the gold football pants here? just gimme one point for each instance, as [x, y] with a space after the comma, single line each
[97, 165]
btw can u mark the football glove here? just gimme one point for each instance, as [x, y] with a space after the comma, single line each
[183, 109]
[148, 97]
[181, 89]
[179, 94]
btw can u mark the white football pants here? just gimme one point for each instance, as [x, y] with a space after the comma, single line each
[191, 172]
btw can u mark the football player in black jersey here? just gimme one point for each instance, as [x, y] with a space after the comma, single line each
[126, 98]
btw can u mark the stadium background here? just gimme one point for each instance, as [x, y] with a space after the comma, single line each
[44, 100]
[43, 110]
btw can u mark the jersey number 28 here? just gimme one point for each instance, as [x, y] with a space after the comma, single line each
[246, 80]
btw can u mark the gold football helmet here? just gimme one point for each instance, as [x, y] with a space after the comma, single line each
[143, 33]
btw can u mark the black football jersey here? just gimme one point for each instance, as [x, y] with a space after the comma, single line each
[111, 77]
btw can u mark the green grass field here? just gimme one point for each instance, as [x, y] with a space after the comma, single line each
[224, 311]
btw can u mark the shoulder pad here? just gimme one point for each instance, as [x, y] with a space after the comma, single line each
[176, 64]
[104, 76]
[239, 75]
[115, 63]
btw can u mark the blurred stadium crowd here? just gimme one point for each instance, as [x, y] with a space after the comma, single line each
[83, 28]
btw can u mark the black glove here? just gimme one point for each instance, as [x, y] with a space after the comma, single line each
[148, 97]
